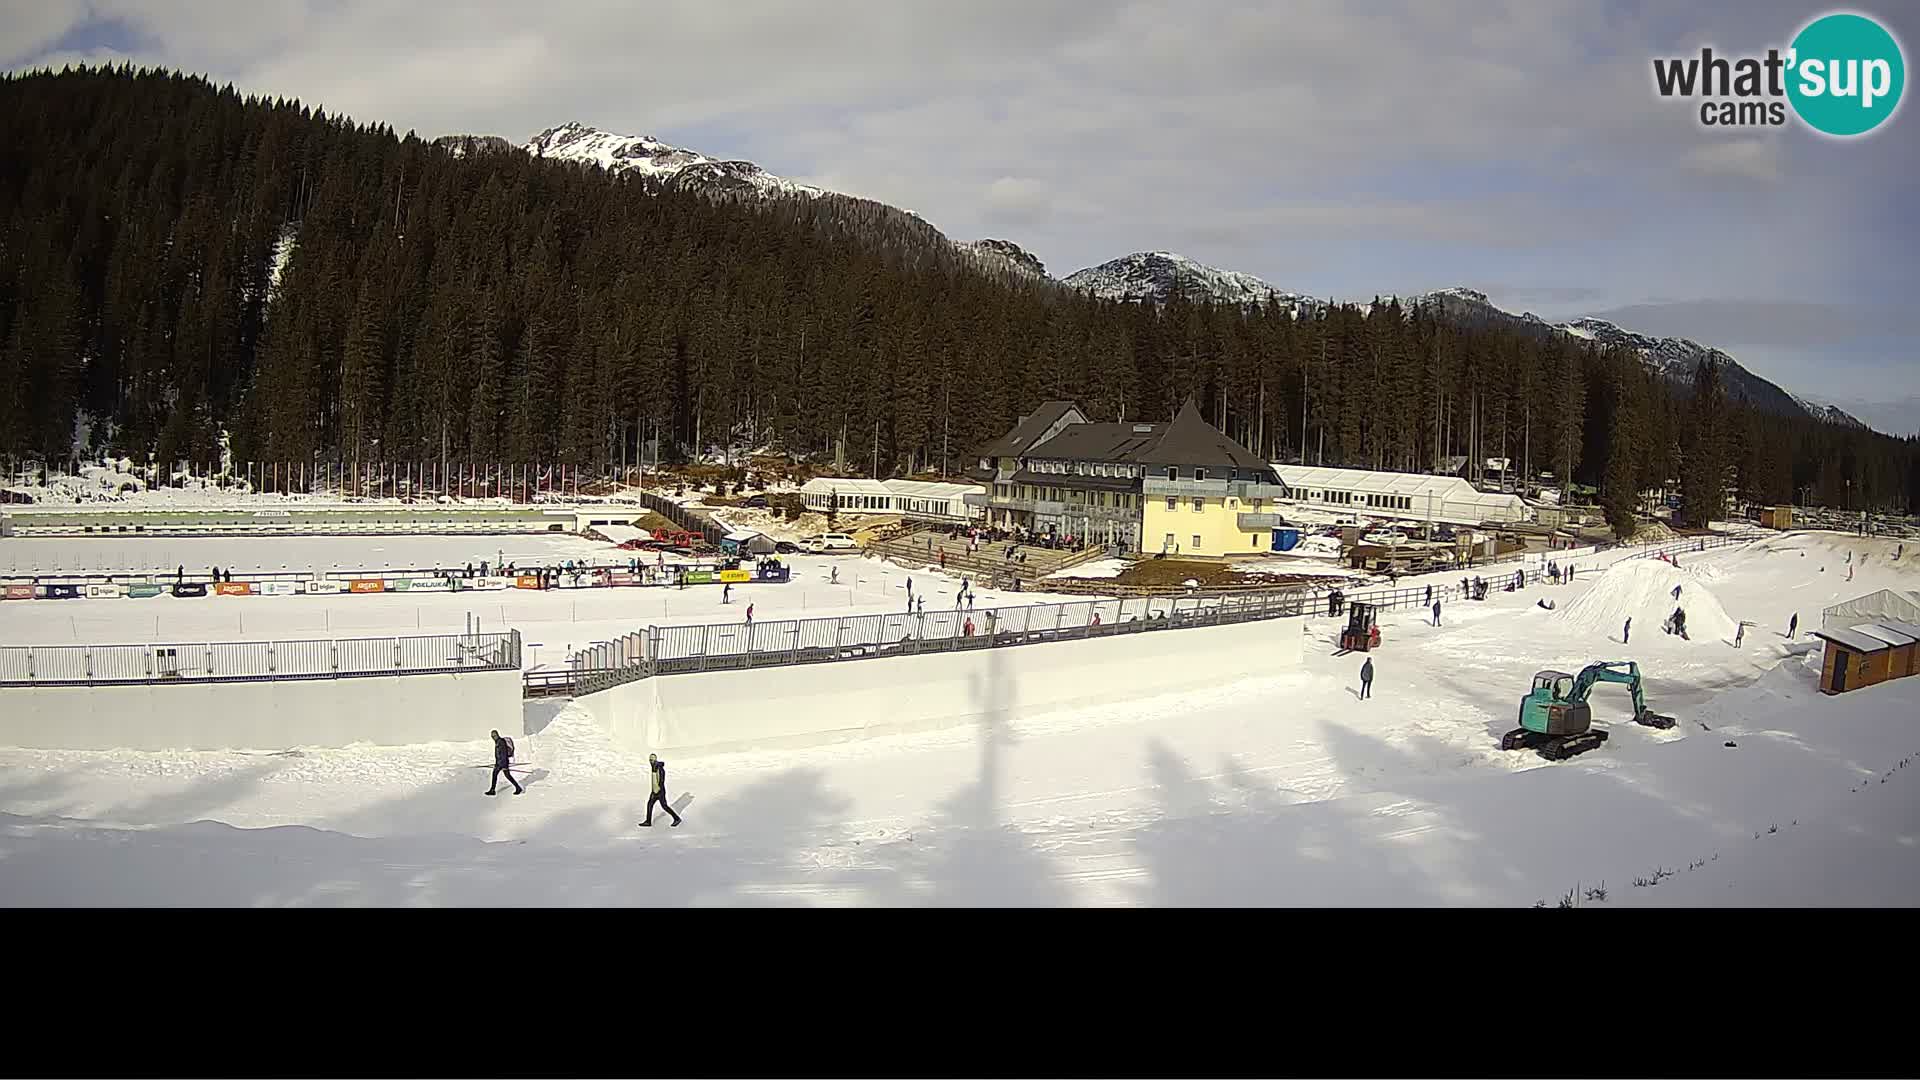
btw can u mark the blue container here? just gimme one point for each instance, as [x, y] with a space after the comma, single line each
[1286, 539]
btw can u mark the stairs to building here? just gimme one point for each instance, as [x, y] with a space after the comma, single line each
[988, 564]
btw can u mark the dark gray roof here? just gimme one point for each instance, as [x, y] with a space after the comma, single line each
[1189, 440]
[1031, 427]
[1100, 442]
[1854, 640]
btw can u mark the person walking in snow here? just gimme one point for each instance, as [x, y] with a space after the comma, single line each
[1793, 626]
[1676, 592]
[659, 793]
[502, 763]
[1429, 595]
[922, 609]
[1739, 634]
[1436, 613]
[726, 593]
[966, 628]
[834, 578]
[749, 613]
[1366, 679]
[1626, 630]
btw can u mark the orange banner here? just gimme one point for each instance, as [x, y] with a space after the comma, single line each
[234, 588]
[527, 581]
[367, 585]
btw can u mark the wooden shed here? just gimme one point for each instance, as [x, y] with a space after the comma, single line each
[1863, 655]
[1776, 517]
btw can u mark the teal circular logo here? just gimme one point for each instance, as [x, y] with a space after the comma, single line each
[1845, 74]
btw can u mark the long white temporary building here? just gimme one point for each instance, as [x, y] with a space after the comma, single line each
[1400, 496]
[1902, 605]
[911, 498]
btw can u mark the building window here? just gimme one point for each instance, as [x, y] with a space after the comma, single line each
[1196, 541]
[1257, 503]
[1199, 505]
[1173, 503]
[1199, 473]
[1173, 472]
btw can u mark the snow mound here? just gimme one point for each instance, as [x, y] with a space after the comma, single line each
[1642, 590]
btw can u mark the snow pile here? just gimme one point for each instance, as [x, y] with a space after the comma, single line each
[1098, 568]
[1642, 590]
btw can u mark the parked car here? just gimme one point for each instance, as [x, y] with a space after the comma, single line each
[785, 547]
[829, 544]
[756, 502]
[1385, 537]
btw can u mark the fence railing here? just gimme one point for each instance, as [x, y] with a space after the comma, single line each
[256, 661]
[672, 650]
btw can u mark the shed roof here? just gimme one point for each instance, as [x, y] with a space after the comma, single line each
[741, 536]
[1100, 442]
[1851, 639]
[1883, 632]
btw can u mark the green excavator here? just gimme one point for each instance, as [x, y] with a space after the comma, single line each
[1555, 719]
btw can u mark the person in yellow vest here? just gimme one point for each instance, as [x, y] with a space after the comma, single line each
[659, 793]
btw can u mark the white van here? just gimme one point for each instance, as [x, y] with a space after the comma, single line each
[829, 544]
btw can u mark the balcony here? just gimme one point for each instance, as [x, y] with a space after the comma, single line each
[1253, 522]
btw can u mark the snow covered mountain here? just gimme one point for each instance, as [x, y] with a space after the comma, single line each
[648, 156]
[1674, 358]
[1009, 255]
[1156, 275]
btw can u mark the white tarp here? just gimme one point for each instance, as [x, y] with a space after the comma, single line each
[1894, 604]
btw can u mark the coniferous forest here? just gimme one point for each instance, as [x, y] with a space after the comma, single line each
[447, 302]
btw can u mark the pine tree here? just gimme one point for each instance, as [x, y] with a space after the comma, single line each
[1703, 464]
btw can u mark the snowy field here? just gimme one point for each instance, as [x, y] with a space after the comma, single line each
[1276, 788]
[552, 623]
[129, 555]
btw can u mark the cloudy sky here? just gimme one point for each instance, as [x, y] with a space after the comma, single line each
[1341, 148]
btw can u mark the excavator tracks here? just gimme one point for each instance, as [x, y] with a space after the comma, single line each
[1553, 747]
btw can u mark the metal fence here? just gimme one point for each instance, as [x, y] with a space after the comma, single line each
[672, 650]
[256, 661]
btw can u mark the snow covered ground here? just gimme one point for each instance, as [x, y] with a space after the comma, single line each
[1277, 788]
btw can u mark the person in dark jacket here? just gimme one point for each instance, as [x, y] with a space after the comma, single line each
[1793, 626]
[659, 793]
[502, 762]
[1626, 630]
[1366, 679]
[1436, 613]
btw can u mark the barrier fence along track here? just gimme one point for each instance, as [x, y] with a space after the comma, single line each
[256, 661]
[674, 650]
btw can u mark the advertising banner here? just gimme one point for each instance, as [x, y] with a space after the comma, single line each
[325, 585]
[492, 583]
[234, 588]
[59, 592]
[18, 592]
[621, 579]
[278, 588]
[366, 585]
[699, 577]
[144, 591]
[97, 592]
[190, 588]
[428, 584]
[527, 581]
[735, 575]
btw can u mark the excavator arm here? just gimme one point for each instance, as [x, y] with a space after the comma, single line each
[1624, 672]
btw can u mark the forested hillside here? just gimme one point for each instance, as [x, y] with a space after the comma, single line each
[498, 307]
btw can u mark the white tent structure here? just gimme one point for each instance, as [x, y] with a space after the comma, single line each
[1876, 607]
[912, 498]
[1414, 497]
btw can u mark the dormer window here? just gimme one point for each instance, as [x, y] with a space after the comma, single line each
[1199, 474]
[1173, 472]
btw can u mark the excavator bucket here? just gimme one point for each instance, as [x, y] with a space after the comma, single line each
[1649, 718]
